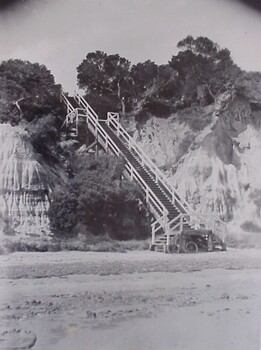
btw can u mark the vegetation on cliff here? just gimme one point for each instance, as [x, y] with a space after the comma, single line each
[28, 92]
[193, 78]
[29, 96]
[89, 198]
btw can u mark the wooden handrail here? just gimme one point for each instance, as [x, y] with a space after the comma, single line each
[188, 215]
[159, 176]
[92, 119]
[161, 224]
[69, 106]
[145, 160]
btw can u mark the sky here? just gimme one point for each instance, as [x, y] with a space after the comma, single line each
[60, 33]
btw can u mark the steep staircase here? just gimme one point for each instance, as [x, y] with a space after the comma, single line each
[173, 215]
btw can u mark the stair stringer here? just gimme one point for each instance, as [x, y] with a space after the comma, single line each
[113, 138]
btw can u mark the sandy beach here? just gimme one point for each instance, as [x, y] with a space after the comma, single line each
[135, 300]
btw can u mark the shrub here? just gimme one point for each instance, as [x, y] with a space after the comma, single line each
[97, 201]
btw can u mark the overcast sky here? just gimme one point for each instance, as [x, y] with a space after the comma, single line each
[59, 33]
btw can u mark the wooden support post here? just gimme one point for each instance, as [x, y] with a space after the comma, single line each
[210, 242]
[96, 138]
[181, 223]
[153, 234]
[182, 246]
[87, 136]
[147, 195]
[77, 122]
[131, 173]
[168, 241]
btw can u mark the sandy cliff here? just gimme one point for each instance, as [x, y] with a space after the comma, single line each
[24, 185]
[217, 169]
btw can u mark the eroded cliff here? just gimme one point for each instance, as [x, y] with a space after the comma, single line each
[217, 169]
[24, 185]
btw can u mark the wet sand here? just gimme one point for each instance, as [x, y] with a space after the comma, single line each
[136, 300]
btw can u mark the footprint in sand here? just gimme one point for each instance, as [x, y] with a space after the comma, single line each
[17, 339]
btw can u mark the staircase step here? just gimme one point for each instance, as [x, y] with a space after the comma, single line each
[148, 176]
[73, 102]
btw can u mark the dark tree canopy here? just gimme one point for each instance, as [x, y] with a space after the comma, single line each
[111, 82]
[105, 79]
[196, 75]
[143, 76]
[101, 73]
[203, 62]
[28, 94]
[27, 90]
[199, 46]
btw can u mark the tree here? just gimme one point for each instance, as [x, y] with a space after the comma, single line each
[28, 94]
[101, 73]
[27, 91]
[143, 75]
[202, 62]
[104, 76]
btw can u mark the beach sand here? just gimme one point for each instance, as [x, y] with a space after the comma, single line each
[132, 301]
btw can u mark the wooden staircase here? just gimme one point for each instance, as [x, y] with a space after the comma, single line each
[173, 215]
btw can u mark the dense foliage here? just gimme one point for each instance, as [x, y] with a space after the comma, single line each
[97, 201]
[104, 79]
[202, 62]
[195, 76]
[94, 200]
[29, 95]
[27, 92]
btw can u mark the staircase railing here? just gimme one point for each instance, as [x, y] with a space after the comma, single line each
[141, 156]
[152, 200]
[157, 225]
[187, 214]
[69, 106]
[73, 118]
[83, 103]
[94, 125]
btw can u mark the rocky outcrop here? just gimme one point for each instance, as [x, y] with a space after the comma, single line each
[24, 189]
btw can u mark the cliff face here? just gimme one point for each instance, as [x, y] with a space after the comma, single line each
[217, 169]
[230, 188]
[24, 185]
